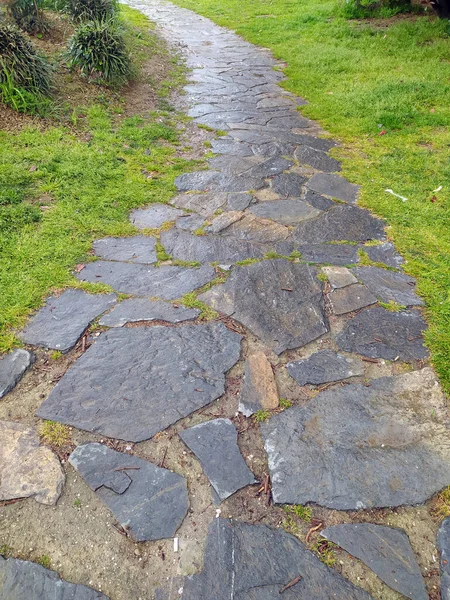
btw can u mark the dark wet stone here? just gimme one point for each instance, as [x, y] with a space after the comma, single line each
[145, 379]
[137, 249]
[12, 368]
[190, 222]
[362, 446]
[226, 146]
[286, 212]
[339, 277]
[141, 309]
[239, 201]
[333, 254]
[141, 280]
[288, 184]
[314, 142]
[318, 201]
[63, 319]
[384, 253]
[386, 551]
[346, 223]
[389, 286]
[214, 443]
[273, 166]
[233, 165]
[334, 186]
[279, 301]
[253, 562]
[350, 298]
[240, 183]
[23, 580]
[255, 229]
[154, 216]
[209, 248]
[379, 333]
[148, 501]
[317, 159]
[293, 122]
[199, 180]
[324, 367]
[204, 204]
[274, 148]
[443, 544]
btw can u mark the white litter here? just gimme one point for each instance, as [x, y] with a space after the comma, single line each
[402, 198]
[175, 544]
[437, 189]
[218, 511]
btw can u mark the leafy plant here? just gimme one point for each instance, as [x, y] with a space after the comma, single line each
[28, 15]
[55, 434]
[302, 512]
[357, 9]
[91, 10]
[261, 415]
[98, 49]
[20, 99]
[20, 64]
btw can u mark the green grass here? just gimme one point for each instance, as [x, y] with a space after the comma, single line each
[361, 78]
[86, 187]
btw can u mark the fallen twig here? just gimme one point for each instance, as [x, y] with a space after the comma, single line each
[291, 584]
[367, 359]
[312, 530]
[127, 469]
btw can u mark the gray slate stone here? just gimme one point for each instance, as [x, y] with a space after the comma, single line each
[379, 333]
[63, 319]
[144, 379]
[165, 282]
[324, 367]
[343, 223]
[339, 277]
[443, 544]
[226, 146]
[282, 318]
[141, 309]
[332, 254]
[350, 298]
[239, 201]
[318, 201]
[149, 502]
[334, 186]
[154, 216]
[137, 249]
[12, 368]
[214, 443]
[286, 212]
[386, 551]
[190, 222]
[199, 180]
[203, 204]
[253, 562]
[389, 286]
[23, 580]
[317, 159]
[384, 253]
[288, 185]
[362, 446]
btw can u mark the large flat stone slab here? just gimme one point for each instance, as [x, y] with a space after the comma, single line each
[332, 254]
[254, 562]
[279, 301]
[12, 368]
[384, 253]
[63, 319]
[362, 446]
[443, 544]
[324, 367]
[140, 309]
[389, 286]
[339, 277]
[334, 186]
[24, 580]
[255, 229]
[259, 389]
[318, 160]
[165, 282]
[149, 502]
[379, 333]
[27, 469]
[386, 551]
[132, 383]
[342, 223]
[137, 249]
[288, 184]
[154, 216]
[350, 298]
[214, 443]
[286, 212]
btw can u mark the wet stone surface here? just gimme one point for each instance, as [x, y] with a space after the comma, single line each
[214, 443]
[386, 551]
[154, 216]
[63, 319]
[20, 580]
[12, 368]
[333, 254]
[288, 185]
[148, 501]
[384, 253]
[286, 212]
[279, 301]
[334, 186]
[443, 543]
[374, 445]
[389, 286]
[339, 277]
[141, 309]
[324, 367]
[145, 379]
[137, 249]
[350, 298]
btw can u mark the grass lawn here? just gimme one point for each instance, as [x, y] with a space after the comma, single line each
[381, 86]
[75, 177]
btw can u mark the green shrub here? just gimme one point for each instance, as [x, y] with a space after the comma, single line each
[92, 10]
[98, 49]
[21, 66]
[28, 15]
[357, 9]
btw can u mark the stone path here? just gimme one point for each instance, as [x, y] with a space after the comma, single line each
[307, 289]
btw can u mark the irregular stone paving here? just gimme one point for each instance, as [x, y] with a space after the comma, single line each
[254, 562]
[272, 197]
[149, 502]
[386, 551]
[132, 383]
[27, 470]
[24, 580]
[215, 445]
[12, 368]
[443, 543]
[362, 446]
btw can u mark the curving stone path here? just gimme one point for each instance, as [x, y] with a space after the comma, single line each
[285, 255]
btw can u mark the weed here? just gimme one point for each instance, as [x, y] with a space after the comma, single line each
[322, 277]
[185, 263]
[161, 254]
[324, 550]
[261, 415]
[55, 354]
[285, 403]
[191, 301]
[77, 503]
[5, 550]
[45, 561]
[247, 261]
[302, 512]
[55, 434]
[392, 306]
[441, 505]
[199, 231]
